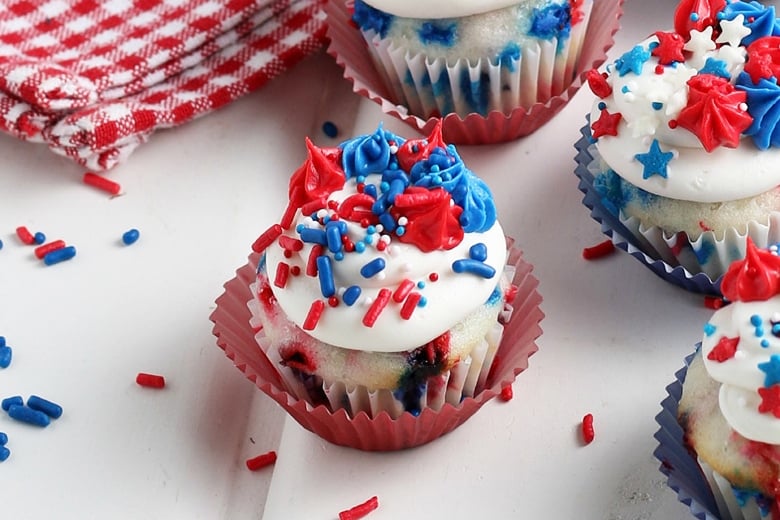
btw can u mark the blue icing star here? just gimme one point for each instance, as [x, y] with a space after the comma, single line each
[759, 19]
[772, 370]
[632, 61]
[440, 34]
[655, 161]
[715, 67]
[763, 100]
[709, 329]
[369, 18]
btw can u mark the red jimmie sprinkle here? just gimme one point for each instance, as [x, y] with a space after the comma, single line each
[282, 273]
[407, 309]
[150, 380]
[360, 510]
[403, 290]
[24, 235]
[506, 393]
[377, 306]
[43, 250]
[267, 238]
[311, 264]
[588, 434]
[102, 183]
[290, 243]
[603, 249]
[261, 461]
[314, 315]
[713, 302]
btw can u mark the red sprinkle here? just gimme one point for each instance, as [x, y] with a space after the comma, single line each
[599, 250]
[288, 216]
[360, 510]
[511, 293]
[43, 250]
[295, 270]
[25, 236]
[261, 461]
[713, 302]
[588, 434]
[102, 183]
[311, 264]
[150, 380]
[506, 393]
[377, 306]
[434, 277]
[267, 238]
[290, 243]
[333, 301]
[403, 290]
[282, 273]
[313, 317]
[410, 304]
[313, 206]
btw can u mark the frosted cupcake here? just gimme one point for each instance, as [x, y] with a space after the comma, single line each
[477, 60]
[679, 160]
[388, 293]
[724, 450]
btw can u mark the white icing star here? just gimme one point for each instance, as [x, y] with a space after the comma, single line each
[734, 57]
[698, 45]
[733, 31]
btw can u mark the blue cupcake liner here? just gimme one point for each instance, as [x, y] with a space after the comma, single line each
[622, 237]
[678, 463]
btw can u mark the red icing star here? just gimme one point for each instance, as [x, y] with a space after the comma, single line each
[724, 350]
[770, 400]
[763, 59]
[607, 124]
[669, 49]
[597, 82]
[713, 112]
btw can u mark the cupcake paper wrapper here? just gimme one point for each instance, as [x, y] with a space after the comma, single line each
[708, 495]
[237, 338]
[677, 265]
[350, 50]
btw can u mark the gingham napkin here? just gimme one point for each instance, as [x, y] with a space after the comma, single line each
[94, 78]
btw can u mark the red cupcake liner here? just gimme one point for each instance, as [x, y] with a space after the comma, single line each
[236, 337]
[349, 49]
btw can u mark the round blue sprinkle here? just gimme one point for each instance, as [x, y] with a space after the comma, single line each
[371, 230]
[4, 453]
[3, 439]
[755, 320]
[765, 343]
[360, 179]
[360, 247]
[759, 332]
[423, 302]
[421, 285]
[657, 105]
[339, 256]
[694, 17]
[384, 186]
[400, 230]
[330, 129]
[1, 244]
[130, 237]
[776, 328]
[39, 238]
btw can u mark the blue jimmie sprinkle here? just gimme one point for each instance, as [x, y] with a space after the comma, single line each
[4, 453]
[60, 255]
[40, 404]
[8, 402]
[2, 341]
[313, 236]
[130, 236]
[473, 267]
[3, 439]
[325, 274]
[5, 356]
[28, 415]
[333, 236]
[373, 267]
[351, 295]
[1, 244]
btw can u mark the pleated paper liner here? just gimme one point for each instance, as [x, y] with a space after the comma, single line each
[381, 433]
[349, 48]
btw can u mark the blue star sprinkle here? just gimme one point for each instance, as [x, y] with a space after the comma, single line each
[772, 370]
[632, 61]
[715, 67]
[655, 161]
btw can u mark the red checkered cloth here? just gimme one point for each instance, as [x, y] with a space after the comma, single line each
[93, 78]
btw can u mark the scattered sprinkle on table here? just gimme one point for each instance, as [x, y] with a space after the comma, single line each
[603, 249]
[102, 183]
[261, 461]
[713, 302]
[59, 255]
[8, 402]
[28, 415]
[53, 410]
[360, 510]
[45, 249]
[330, 129]
[506, 393]
[39, 238]
[25, 236]
[6, 354]
[588, 433]
[130, 236]
[150, 380]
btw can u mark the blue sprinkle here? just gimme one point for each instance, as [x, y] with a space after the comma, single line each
[360, 247]
[776, 328]
[24, 414]
[709, 329]
[2, 341]
[4, 453]
[759, 332]
[375, 266]
[384, 186]
[765, 343]
[39, 238]
[625, 89]
[3, 439]
[657, 105]
[423, 302]
[325, 273]
[360, 179]
[333, 237]
[371, 229]
[330, 129]
[602, 105]
[370, 190]
[40, 404]
[5, 356]
[313, 236]
[387, 220]
[694, 17]
[755, 320]
[369, 239]
[60, 255]
[338, 256]
[478, 252]
[421, 284]
[400, 231]
[473, 267]
[1, 244]
[351, 295]
[130, 236]
[8, 402]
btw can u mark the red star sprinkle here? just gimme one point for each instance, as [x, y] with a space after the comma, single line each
[724, 350]
[606, 125]
[770, 400]
[669, 48]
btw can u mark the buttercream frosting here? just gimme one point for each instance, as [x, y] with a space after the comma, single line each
[386, 244]
[692, 114]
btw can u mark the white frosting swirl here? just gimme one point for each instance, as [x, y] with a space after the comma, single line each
[648, 101]
[740, 376]
[438, 8]
[450, 298]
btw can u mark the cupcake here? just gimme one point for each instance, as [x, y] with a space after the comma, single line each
[387, 302]
[679, 160]
[505, 66]
[720, 432]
